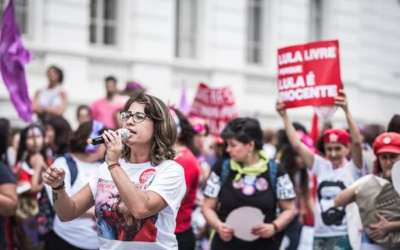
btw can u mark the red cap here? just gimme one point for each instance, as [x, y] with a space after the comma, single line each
[387, 143]
[335, 135]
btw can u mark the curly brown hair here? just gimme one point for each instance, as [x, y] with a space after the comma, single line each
[164, 128]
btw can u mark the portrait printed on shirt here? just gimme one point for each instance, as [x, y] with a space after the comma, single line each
[327, 192]
[213, 186]
[285, 189]
[114, 221]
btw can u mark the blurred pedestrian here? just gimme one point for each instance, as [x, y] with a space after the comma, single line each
[58, 135]
[394, 124]
[78, 166]
[8, 187]
[376, 197]
[83, 114]
[184, 231]
[104, 109]
[53, 99]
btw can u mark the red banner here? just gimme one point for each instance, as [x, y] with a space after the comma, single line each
[216, 105]
[309, 74]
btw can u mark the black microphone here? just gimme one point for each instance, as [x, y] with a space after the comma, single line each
[99, 140]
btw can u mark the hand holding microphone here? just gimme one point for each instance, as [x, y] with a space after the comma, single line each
[113, 141]
[100, 140]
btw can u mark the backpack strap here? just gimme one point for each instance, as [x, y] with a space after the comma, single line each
[73, 169]
[273, 171]
[225, 171]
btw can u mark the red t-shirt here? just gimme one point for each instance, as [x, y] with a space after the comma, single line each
[192, 176]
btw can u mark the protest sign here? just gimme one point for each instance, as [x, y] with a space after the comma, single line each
[216, 105]
[309, 74]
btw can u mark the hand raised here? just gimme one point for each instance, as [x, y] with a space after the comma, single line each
[54, 177]
[280, 108]
[341, 101]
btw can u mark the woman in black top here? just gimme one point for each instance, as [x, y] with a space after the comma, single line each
[8, 188]
[249, 178]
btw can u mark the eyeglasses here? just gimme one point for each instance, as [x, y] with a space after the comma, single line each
[137, 117]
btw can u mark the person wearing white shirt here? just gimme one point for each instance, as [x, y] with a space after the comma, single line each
[138, 190]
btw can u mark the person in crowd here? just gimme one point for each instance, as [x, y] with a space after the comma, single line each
[270, 141]
[138, 190]
[52, 100]
[32, 161]
[103, 109]
[58, 135]
[248, 178]
[334, 227]
[13, 147]
[5, 136]
[298, 173]
[133, 88]
[394, 124]
[87, 159]
[8, 188]
[365, 193]
[184, 231]
[83, 114]
[200, 129]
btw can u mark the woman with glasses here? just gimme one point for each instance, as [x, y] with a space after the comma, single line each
[247, 179]
[138, 190]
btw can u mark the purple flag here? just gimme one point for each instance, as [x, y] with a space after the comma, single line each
[184, 106]
[13, 58]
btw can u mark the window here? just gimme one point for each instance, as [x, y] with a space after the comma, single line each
[186, 29]
[21, 10]
[254, 31]
[103, 22]
[316, 25]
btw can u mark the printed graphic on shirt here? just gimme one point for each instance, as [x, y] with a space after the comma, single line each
[285, 188]
[146, 175]
[327, 191]
[115, 222]
[213, 186]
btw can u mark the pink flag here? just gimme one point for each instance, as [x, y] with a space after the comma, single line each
[183, 105]
[13, 58]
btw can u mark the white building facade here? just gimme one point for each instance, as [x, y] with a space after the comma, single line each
[161, 43]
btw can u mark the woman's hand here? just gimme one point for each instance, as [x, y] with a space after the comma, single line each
[341, 101]
[280, 108]
[225, 233]
[37, 162]
[379, 229]
[54, 177]
[265, 230]
[114, 146]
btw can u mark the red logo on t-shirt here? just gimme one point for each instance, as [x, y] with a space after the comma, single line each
[146, 175]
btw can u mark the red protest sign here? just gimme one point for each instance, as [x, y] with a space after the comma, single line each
[216, 105]
[309, 74]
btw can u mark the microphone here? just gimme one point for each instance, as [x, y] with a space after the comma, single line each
[99, 140]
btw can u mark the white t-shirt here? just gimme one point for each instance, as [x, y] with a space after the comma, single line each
[49, 98]
[87, 236]
[117, 228]
[331, 221]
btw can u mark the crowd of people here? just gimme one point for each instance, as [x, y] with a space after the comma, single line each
[171, 185]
